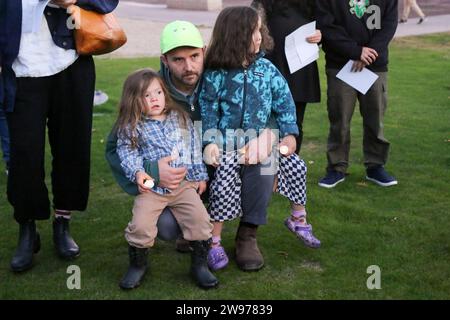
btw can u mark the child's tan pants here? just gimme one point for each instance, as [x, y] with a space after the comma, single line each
[186, 206]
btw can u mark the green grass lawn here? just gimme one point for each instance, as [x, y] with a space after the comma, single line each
[405, 230]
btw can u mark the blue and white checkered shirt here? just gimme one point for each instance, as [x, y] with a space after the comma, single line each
[158, 139]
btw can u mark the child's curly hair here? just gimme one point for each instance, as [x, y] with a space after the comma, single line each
[232, 35]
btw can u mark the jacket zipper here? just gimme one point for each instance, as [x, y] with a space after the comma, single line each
[244, 98]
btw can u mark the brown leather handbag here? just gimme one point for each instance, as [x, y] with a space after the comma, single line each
[95, 33]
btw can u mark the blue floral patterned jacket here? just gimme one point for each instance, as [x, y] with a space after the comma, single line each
[244, 99]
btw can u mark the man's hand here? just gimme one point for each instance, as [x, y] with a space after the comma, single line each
[368, 55]
[141, 176]
[170, 177]
[201, 187]
[315, 38]
[63, 3]
[358, 66]
[211, 155]
[290, 143]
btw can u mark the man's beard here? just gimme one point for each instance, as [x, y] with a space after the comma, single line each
[190, 82]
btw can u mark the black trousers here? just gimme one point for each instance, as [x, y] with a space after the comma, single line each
[62, 103]
[300, 107]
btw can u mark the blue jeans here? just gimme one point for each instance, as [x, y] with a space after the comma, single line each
[4, 136]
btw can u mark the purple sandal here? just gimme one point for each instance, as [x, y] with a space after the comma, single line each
[304, 233]
[217, 258]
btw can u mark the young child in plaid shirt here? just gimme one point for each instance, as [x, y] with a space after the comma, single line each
[150, 127]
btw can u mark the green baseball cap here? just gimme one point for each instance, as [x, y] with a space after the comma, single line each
[180, 34]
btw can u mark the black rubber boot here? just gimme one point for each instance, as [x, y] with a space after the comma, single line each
[29, 243]
[137, 268]
[64, 243]
[199, 267]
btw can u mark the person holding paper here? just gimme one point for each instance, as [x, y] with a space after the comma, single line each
[349, 34]
[46, 87]
[282, 18]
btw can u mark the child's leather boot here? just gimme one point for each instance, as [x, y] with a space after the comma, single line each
[248, 255]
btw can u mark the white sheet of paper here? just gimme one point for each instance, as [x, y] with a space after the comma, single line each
[361, 81]
[311, 59]
[292, 57]
[32, 15]
[299, 52]
[305, 49]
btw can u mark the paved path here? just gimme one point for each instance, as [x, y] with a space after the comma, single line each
[144, 22]
[160, 13]
[433, 24]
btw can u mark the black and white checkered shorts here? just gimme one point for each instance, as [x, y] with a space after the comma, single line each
[225, 188]
[291, 173]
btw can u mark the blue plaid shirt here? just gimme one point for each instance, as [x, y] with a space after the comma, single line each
[159, 139]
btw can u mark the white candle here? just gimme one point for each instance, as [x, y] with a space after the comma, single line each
[284, 150]
[149, 184]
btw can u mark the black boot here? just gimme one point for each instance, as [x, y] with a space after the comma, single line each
[199, 267]
[137, 268]
[64, 244]
[29, 243]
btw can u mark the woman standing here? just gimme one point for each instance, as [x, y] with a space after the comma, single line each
[282, 18]
[46, 87]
